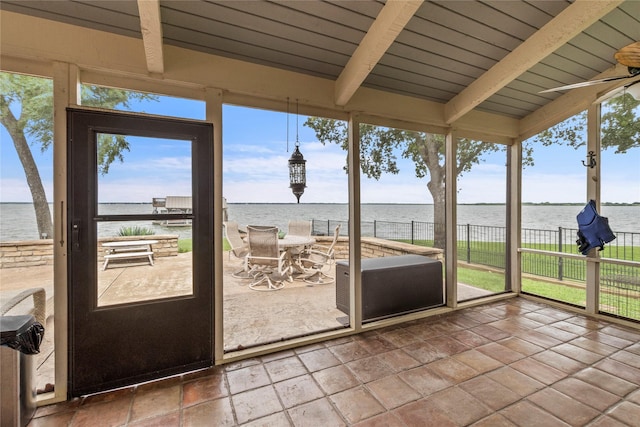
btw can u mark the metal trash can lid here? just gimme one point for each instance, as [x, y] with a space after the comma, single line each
[22, 333]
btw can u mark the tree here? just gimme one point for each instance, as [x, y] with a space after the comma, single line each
[26, 111]
[620, 127]
[377, 156]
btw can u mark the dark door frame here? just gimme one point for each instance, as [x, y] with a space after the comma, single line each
[120, 345]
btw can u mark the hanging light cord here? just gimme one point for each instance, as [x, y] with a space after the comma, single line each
[297, 142]
[287, 124]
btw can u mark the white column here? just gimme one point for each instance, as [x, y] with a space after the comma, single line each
[355, 284]
[451, 252]
[593, 193]
[213, 99]
[66, 92]
[514, 220]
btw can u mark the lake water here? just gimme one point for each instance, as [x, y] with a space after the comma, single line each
[17, 220]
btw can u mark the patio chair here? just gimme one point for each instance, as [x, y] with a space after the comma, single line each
[239, 248]
[265, 262]
[298, 227]
[318, 261]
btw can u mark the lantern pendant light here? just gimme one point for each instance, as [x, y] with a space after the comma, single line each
[297, 168]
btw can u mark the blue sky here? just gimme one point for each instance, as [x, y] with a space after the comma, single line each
[255, 167]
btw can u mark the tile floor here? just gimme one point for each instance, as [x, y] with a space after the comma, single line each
[511, 363]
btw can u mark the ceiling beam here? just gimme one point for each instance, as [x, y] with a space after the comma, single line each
[391, 20]
[565, 26]
[151, 28]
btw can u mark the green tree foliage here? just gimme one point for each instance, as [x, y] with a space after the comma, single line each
[620, 127]
[26, 112]
[378, 148]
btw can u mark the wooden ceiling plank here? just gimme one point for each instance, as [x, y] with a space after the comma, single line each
[151, 28]
[566, 25]
[392, 19]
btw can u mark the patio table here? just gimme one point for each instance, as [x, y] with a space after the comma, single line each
[288, 243]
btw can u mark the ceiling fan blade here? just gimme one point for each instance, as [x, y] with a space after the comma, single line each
[585, 84]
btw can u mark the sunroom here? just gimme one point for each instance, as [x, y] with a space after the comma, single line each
[411, 99]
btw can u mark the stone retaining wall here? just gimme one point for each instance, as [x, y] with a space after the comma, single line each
[373, 247]
[31, 253]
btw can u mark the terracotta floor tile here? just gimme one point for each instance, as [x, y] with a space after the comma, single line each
[57, 419]
[559, 361]
[296, 391]
[529, 415]
[619, 370]
[491, 333]
[401, 338]
[606, 381]
[607, 421]
[369, 369]
[319, 359]
[349, 351]
[478, 361]
[523, 385]
[539, 371]
[538, 338]
[594, 346]
[621, 332]
[424, 352]
[470, 339]
[540, 318]
[634, 397]
[113, 413]
[213, 412]
[335, 379]
[577, 353]
[283, 369]
[591, 324]
[627, 358]
[554, 312]
[247, 378]
[387, 419]
[611, 340]
[392, 392]
[167, 420]
[424, 413]
[452, 370]
[314, 414]
[155, 402]
[279, 419]
[635, 349]
[571, 327]
[626, 412]
[356, 404]
[521, 346]
[460, 406]
[206, 388]
[564, 407]
[491, 393]
[424, 380]
[398, 360]
[514, 325]
[556, 333]
[256, 403]
[587, 393]
[376, 344]
[495, 420]
[480, 318]
[459, 318]
[500, 353]
[447, 345]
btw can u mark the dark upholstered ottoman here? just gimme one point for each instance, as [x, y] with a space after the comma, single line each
[393, 285]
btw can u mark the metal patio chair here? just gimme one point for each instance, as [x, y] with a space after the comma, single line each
[265, 262]
[319, 260]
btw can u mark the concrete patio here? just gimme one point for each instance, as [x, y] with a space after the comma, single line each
[250, 317]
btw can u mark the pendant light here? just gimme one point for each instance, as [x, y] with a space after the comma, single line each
[297, 168]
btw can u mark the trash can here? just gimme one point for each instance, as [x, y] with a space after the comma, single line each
[20, 339]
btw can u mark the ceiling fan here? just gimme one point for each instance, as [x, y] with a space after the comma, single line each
[628, 56]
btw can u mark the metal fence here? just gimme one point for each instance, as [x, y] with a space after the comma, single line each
[486, 245]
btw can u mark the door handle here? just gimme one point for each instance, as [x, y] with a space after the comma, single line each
[75, 235]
